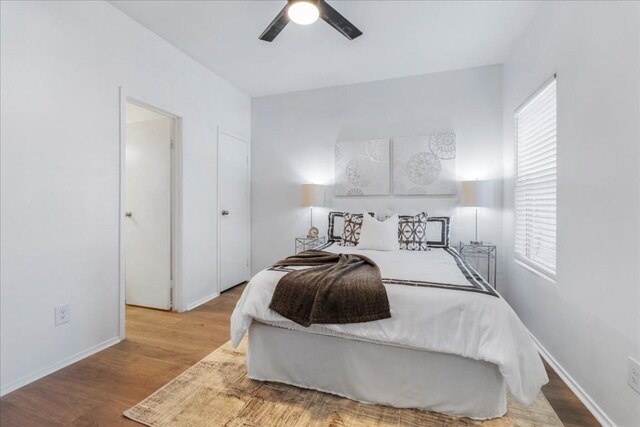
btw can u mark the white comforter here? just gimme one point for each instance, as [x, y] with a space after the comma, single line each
[468, 324]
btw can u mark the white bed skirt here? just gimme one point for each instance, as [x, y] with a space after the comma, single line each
[376, 373]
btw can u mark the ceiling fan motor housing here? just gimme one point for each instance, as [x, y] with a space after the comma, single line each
[313, 2]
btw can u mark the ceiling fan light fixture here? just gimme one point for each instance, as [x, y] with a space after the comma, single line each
[303, 12]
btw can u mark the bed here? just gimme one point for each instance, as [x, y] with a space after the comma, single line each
[452, 344]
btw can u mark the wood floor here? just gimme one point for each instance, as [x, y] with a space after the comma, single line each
[159, 346]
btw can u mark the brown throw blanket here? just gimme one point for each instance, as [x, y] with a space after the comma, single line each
[338, 288]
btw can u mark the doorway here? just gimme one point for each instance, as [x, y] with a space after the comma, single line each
[147, 231]
[233, 210]
[149, 207]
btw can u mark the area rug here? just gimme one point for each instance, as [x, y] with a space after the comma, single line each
[217, 392]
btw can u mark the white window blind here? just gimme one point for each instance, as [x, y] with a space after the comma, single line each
[536, 181]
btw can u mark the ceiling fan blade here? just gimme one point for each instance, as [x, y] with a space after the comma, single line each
[279, 22]
[337, 21]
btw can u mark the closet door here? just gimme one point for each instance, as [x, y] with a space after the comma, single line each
[234, 209]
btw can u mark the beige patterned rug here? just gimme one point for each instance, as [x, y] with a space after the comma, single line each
[217, 392]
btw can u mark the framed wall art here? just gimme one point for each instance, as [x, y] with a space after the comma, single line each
[362, 168]
[424, 164]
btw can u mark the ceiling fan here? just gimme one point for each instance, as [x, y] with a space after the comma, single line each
[305, 12]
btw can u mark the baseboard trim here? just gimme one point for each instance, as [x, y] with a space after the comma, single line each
[591, 405]
[5, 389]
[202, 301]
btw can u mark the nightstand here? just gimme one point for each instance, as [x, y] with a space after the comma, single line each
[306, 243]
[477, 255]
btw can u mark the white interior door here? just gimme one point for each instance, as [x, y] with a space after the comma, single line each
[233, 204]
[148, 213]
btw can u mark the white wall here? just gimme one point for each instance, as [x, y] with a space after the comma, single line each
[589, 319]
[62, 64]
[294, 136]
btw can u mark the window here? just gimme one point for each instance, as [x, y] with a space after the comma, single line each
[536, 181]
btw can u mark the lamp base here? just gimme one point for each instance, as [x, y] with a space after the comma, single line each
[476, 242]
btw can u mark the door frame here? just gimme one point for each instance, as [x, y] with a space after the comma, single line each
[218, 207]
[176, 199]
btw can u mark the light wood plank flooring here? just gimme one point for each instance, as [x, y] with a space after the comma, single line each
[159, 346]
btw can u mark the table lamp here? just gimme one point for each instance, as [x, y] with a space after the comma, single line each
[312, 195]
[476, 194]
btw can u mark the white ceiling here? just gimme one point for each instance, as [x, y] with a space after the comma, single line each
[401, 38]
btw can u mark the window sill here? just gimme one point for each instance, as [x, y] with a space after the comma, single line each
[535, 270]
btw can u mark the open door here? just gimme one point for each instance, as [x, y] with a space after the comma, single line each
[147, 233]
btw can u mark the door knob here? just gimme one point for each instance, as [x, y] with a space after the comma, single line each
[225, 212]
[128, 214]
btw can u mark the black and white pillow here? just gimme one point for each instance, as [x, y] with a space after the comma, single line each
[336, 225]
[412, 232]
[352, 229]
[438, 231]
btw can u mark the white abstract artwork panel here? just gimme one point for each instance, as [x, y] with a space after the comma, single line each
[424, 164]
[362, 168]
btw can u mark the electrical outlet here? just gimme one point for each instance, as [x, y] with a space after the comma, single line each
[62, 314]
[634, 375]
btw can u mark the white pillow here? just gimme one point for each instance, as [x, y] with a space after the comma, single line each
[379, 235]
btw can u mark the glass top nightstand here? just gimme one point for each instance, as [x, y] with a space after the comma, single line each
[477, 254]
[306, 243]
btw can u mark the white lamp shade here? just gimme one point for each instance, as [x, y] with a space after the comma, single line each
[312, 195]
[479, 194]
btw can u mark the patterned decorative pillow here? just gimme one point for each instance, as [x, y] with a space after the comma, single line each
[352, 229]
[438, 231]
[412, 232]
[336, 226]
